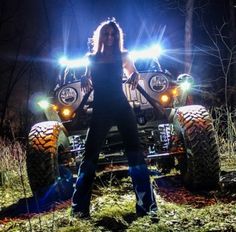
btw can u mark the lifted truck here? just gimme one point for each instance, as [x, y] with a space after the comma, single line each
[173, 132]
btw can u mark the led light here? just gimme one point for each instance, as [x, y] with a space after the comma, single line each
[76, 63]
[66, 112]
[175, 92]
[156, 50]
[164, 98]
[44, 104]
[185, 85]
[55, 107]
[185, 81]
[149, 53]
[63, 61]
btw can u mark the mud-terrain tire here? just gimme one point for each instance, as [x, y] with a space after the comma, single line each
[44, 141]
[201, 163]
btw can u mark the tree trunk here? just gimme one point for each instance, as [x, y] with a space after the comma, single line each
[188, 36]
[232, 32]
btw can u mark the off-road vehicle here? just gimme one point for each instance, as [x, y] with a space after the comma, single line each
[173, 132]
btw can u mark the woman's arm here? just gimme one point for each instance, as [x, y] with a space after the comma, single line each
[86, 82]
[130, 70]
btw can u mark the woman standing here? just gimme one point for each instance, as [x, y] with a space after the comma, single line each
[104, 74]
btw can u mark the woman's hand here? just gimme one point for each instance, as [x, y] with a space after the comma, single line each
[86, 84]
[130, 71]
[133, 80]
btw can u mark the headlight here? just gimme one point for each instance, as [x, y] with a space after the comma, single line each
[158, 83]
[165, 98]
[68, 96]
[185, 81]
[66, 112]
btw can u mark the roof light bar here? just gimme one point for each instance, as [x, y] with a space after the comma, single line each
[149, 53]
[76, 63]
[152, 52]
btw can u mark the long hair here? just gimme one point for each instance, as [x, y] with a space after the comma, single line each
[96, 41]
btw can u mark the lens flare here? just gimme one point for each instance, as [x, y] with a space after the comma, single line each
[44, 104]
[76, 63]
[150, 53]
[185, 86]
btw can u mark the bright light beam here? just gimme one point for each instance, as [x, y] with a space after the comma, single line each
[149, 53]
[152, 52]
[44, 104]
[76, 63]
[185, 86]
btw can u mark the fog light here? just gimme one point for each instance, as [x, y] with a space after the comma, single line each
[66, 113]
[175, 92]
[164, 98]
[55, 107]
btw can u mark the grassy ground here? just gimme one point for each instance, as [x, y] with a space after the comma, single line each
[113, 210]
[113, 205]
